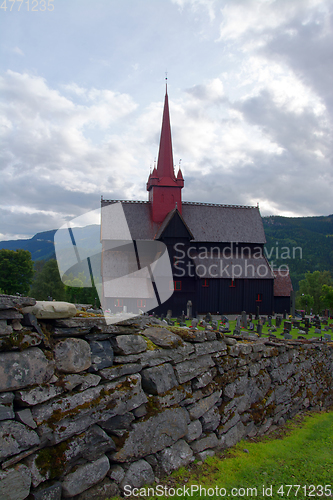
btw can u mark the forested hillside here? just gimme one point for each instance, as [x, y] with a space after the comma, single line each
[313, 235]
[302, 243]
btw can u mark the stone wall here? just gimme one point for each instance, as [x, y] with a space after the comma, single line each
[86, 408]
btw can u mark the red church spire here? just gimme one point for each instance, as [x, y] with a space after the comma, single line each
[164, 188]
[165, 157]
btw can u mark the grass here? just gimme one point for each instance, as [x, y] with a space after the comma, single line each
[265, 330]
[299, 453]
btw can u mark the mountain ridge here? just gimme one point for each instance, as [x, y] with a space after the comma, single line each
[309, 241]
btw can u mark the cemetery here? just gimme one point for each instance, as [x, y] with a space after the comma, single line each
[87, 408]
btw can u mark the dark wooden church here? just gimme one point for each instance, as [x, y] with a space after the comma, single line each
[216, 251]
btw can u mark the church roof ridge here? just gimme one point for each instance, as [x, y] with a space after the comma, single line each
[202, 204]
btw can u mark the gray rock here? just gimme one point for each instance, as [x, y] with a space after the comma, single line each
[230, 341]
[52, 492]
[4, 328]
[157, 357]
[204, 379]
[15, 437]
[210, 420]
[25, 417]
[163, 337]
[233, 436]
[128, 344]
[10, 314]
[209, 441]
[15, 483]
[20, 369]
[101, 355]
[37, 395]
[153, 435]
[137, 475]
[118, 422]
[10, 301]
[158, 379]
[205, 454]
[210, 347]
[89, 445]
[72, 355]
[231, 422]
[140, 411]
[78, 411]
[187, 370]
[176, 456]
[175, 395]
[116, 473]
[194, 430]
[119, 371]
[82, 382]
[203, 405]
[105, 489]
[6, 406]
[85, 477]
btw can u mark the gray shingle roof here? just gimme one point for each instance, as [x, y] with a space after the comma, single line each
[207, 222]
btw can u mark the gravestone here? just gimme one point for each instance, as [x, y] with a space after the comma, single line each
[162, 317]
[317, 330]
[244, 320]
[194, 322]
[259, 329]
[214, 324]
[237, 330]
[238, 322]
[327, 336]
[278, 321]
[251, 326]
[263, 320]
[257, 313]
[208, 318]
[169, 314]
[189, 309]
[296, 324]
[287, 336]
[288, 326]
[269, 321]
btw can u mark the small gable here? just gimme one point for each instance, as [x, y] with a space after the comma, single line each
[174, 226]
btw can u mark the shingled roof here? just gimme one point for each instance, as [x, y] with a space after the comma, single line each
[207, 222]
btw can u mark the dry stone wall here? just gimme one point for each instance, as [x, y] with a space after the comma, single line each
[87, 408]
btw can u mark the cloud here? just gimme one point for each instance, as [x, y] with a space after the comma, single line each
[18, 51]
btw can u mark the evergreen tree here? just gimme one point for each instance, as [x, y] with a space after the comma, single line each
[47, 283]
[16, 271]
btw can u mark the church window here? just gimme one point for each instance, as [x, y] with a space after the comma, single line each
[232, 284]
[259, 297]
[205, 283]
[141, 303]
[118, 303]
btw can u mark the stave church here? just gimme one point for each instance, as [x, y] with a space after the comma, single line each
[216, 251]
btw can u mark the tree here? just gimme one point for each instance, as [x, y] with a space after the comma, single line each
[47, 283]
[312, 286]
[16, 271]
[327, 296]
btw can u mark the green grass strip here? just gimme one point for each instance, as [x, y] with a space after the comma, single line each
[304, 458]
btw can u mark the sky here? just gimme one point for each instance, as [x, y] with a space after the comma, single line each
[82, 84]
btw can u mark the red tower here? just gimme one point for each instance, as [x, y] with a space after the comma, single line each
[164, 188]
